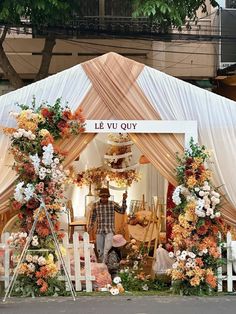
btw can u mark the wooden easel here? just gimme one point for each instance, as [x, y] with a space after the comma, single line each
[155, 221]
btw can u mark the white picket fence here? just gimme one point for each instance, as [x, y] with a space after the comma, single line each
[82, 275]
[228, 272]
[74, 252]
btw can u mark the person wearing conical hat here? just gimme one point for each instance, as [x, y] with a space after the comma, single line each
[114, 255]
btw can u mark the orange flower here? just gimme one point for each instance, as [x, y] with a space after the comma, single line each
[48, 139]
[211, 280]
[46, 113]
[195, 281]
[42, 231]
[199, 261]
[202, 230]
[67, 114]
[213, 251]
[8, 131]
[191, 182]
[44, 287]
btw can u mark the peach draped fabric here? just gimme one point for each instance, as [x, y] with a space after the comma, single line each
[114, 82]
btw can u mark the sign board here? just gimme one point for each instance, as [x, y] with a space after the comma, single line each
[227, 34]
[188, 128]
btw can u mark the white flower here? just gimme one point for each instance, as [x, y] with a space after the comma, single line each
[53, 165]
[29, 258]
[48, 154]
[29, 191]
[204, 251]
[36, 162]
[201, 193]
[217, 214]
[145, 287]
[41, 261]
[114, 291]
[31, 267]
[35, 243]
[191, 254]
[209, 211]
[54, 175]
[178, 252]
[197, 189]
[14, 114]
[200, 213]
[188, 265]
[10, 239]
[19, 190]
[171, 254]
[32, 137]
[175, 265]
[117, 280]
[56, 160]
[22, 235]
[35, 259]
[176, 195]
[206, 188]
[190, 198]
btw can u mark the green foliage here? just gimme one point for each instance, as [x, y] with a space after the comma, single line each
[131, 282]
[183, 287]
[170, 12]
[37, 12]
[26, 287]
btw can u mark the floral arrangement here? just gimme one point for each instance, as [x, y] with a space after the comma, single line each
[91, 176]
[41, 178]
[99, 175]
[125, 178]
[196, 229]
[135, 272]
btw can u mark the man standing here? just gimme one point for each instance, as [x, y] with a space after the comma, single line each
[103, 212]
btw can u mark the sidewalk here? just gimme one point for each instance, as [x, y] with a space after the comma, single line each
[121, 305]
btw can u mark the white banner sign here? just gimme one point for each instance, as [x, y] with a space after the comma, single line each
[188, 128]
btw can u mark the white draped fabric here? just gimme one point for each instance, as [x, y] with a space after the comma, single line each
[216, 116]
[71, 85]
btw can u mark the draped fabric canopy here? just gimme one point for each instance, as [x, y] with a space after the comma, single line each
[114, 87]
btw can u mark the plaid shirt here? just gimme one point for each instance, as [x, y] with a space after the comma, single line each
[104, 214]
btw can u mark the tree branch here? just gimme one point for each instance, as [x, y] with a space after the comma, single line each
[8, 70]
[4, 33]
[49, 44]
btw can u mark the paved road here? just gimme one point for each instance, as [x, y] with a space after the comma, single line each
[121, 305]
